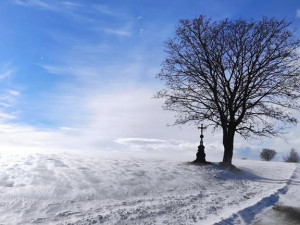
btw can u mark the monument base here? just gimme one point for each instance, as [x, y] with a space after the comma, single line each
[200, 155]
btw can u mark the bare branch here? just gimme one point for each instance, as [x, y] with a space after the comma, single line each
[242, 76]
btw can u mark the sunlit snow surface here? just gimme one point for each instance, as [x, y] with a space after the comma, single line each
[78, 188]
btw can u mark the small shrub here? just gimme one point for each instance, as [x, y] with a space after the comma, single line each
[267, 154]
[293, 157]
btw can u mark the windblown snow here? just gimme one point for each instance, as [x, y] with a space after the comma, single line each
[76, 188]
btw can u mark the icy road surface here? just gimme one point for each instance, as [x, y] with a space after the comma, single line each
[76, 188]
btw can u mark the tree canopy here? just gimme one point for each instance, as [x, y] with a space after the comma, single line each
[293, 156]
[241, 76]
[267, 154]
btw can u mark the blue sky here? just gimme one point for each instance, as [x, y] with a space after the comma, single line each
[81, 74]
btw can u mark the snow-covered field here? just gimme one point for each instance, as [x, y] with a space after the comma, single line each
[78, 188]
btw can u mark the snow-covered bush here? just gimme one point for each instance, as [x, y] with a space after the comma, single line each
[267, 154]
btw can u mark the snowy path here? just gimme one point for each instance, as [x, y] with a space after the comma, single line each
[287, 209]
[247, 215]
[69, 188]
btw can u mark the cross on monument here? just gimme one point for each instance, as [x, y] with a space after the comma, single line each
[201, 154]
[201, 134]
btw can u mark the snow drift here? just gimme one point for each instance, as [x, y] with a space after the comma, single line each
[76, 188]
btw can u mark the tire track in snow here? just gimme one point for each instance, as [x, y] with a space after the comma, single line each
[248, 214]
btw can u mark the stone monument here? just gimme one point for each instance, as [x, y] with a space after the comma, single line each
[201, 154]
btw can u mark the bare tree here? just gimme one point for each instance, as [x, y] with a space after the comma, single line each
[267, 154]
[241, 76]
[292, 157]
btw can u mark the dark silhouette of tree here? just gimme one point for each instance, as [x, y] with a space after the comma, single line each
[241, 76]
[267, 154]
[292, 157]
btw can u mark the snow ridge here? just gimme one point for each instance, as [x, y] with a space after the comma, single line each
[248, 214]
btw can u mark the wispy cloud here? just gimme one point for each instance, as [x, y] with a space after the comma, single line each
[104, 10]
[121, 24]
[71, 4]
[6, 116]
[13, 92]
[100, 63]
[8, 98]
[150, 144]
[125, 29]
[213, 148]
[298, 13]
[71, 9]
[67, 8]
[140, 141]
[8, 95]
[6, 74]
[117, 31]
[35, 3]
[6, 70]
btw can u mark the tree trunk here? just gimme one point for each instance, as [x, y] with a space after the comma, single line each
[228, 139]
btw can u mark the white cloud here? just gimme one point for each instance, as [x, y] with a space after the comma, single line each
[77, 11]
[126, 113]
[70, 4]
[158, 145]
[84, 63]
[22, 137]
[68, 129]
[13, 92]
[6, 74]
[67, 8]
[36, 3]
[8, 99]
[298, 13]
[124, 119]
[104, 10]
[292, 141]
[6, 116]
[90, 49]
[8, 96]
[41, 4]
[140, 141]
[214, 150]
[123, 31]
[58, 70]
[19, 2]
[6, 70]
[136, 121]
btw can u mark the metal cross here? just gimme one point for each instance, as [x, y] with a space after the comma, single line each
[201, 135]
